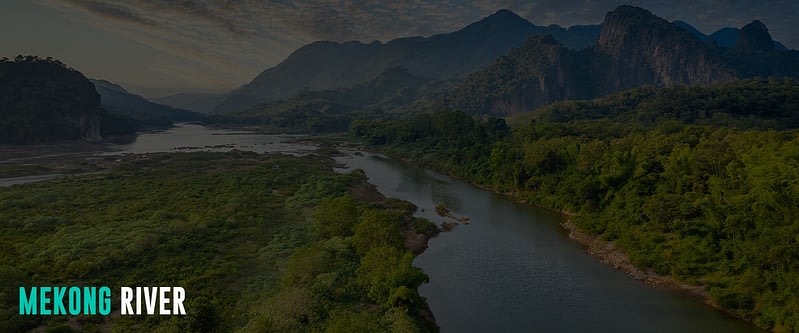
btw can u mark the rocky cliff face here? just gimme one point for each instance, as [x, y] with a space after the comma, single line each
[44, 101]
[539, 72]
[634, 48]
[646, 49]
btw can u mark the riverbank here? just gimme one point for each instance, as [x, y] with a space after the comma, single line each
[607, 252]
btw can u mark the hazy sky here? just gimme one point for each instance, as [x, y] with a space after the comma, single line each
[158, 47]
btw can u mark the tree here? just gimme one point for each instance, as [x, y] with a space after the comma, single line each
[376, 228]
[335, 217]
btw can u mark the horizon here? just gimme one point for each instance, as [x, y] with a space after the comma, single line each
[156, 50]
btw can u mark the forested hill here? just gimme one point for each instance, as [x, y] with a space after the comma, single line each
[42, 100]
[635, 48]
[760, 103]
[698, 183]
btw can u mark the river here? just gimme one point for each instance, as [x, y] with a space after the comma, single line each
[511, 269]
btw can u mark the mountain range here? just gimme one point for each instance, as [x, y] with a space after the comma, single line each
[632, 47]
[724, 37]
[115, 99]
[332, 110]
[635, 48]
[197, 102]
[328, 65]
[505, 69]
[500, 65]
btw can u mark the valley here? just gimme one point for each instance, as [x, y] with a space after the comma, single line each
[499, 176]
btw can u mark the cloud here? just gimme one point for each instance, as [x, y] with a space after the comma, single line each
[344, 20]
[111, 11]
[229, 15]
[368, 20]
[236, 39]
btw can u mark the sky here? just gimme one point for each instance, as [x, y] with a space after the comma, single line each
[160, 47]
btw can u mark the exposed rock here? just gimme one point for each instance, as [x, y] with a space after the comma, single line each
[646, 49]
[635, 48]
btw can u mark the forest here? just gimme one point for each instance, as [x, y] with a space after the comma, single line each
[699, 183]
[260, 243]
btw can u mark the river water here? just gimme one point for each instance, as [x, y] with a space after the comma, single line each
[514, 269]
[511, 269]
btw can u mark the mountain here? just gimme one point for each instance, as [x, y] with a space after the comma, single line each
[634, 48]
[116, 99]
[646, 49]
[755, 54]
[751, 50]
[328, 65]
[724, 37]
[539, 72]
[45, 101]
[197, 102]
[332, 110]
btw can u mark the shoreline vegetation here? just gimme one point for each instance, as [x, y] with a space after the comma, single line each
[695, 183]
[605, 251]
[595, 246]
[259, 241]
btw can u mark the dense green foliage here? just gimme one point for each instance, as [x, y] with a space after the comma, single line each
[260, 242]
[708, 204]
[448, 141]
[760, 103]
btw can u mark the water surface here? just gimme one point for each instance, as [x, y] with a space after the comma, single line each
[512, 269]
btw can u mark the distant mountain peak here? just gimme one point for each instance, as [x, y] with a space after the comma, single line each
[627, 27]
[505, 14]
[502, 17]
[755, 37]
[327, 65]
[629, 10]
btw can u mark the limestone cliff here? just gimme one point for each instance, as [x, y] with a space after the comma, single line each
[647, 50]
[635, 48]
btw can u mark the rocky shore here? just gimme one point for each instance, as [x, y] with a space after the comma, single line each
[608, 253]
